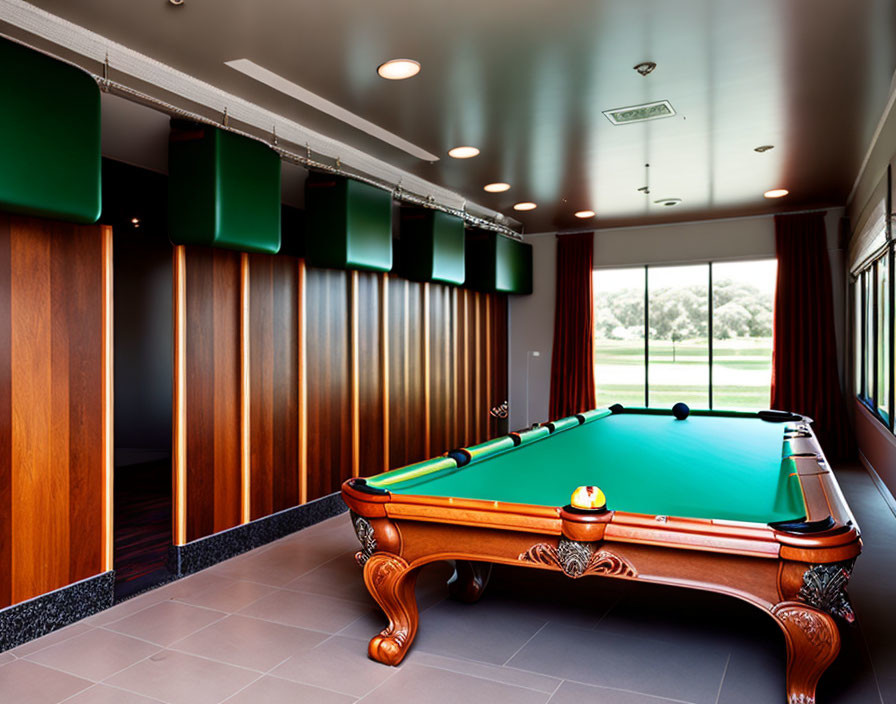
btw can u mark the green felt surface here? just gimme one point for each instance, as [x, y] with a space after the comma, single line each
[702, 467]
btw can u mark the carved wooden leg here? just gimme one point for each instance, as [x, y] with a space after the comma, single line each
[391, 582]
[813, 642]
[469, 580]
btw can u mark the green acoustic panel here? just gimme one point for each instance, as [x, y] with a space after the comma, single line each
[498, 264]
[348, 224]
[432, 246]
[49, 137]
[223, 190]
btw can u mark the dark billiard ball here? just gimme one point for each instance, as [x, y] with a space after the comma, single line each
[680, 410]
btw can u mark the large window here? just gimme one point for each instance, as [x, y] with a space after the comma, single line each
[873, 292]
[701, 334]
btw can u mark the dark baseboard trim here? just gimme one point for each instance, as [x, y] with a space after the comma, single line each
[205, 552]
[46, 613]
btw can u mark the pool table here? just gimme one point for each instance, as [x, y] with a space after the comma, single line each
[743, 504]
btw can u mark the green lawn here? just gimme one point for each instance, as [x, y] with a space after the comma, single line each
[741, 373]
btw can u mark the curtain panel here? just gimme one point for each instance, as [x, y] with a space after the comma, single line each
[572, 361]
[804, 366]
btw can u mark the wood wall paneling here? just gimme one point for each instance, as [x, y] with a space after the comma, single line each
[328, 383]
[54, 412]
[6, 497]
[302, 417]
[213, 387]
[370, 368]
[348, 373]
[273, 383]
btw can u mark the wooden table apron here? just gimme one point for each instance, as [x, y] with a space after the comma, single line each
[798, 579]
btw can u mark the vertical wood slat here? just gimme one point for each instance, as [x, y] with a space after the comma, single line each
[6, 496]
[369, 376]
[34, 519]
[108, 458]
[329, 418]
[427, 377]
[54, 404]
[273, 384]
[384, 362]
[245, 394]
[303, 383]
[453, 351]
[465, 329]
[489, 399]
[213, 391]
[179, 397]
[354, 384]
[477, 371]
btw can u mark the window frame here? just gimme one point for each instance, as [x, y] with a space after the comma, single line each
[865, 282]
[710, 310]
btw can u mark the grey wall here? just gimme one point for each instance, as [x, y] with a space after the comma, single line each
[143, 345]
[531, 318]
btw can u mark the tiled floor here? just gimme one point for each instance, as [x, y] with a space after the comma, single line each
[290, 623]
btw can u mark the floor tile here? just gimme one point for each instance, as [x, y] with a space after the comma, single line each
[497, 673]
[314, 611]
[275, 567]
[126, 608]
[177, 678]
[489, 632]
[415, 683]
[24, 682]
[46, 641]
[166, 622]
[103, 694]
[230, 597]
[339, 664]
[341, 577]
[273, 690]
[688, 671]
[249, 642]
[192, 585]
[575, 693]
[94, 655]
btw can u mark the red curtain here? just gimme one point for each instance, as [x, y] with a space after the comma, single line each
[804, 366]
[572, 362]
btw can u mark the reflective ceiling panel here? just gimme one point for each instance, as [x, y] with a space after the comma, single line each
[526, 81]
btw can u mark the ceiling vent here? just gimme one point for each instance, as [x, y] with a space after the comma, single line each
[640, 113]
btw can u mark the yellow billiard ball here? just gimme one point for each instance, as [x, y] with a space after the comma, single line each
[588, 497]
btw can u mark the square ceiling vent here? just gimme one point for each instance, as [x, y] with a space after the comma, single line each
[640, 113]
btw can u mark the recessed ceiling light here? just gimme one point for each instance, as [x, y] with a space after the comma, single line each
[764, 148]
[585, 214]
[398, 69]
[463, 152]
[525, 206]
[496, 187]
[776, 193]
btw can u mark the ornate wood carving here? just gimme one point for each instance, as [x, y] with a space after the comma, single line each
[577, 559]
[812, 644]
[824, 587]
[366, 536]
[390, 581]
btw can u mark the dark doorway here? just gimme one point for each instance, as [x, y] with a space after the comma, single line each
[134, 204]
